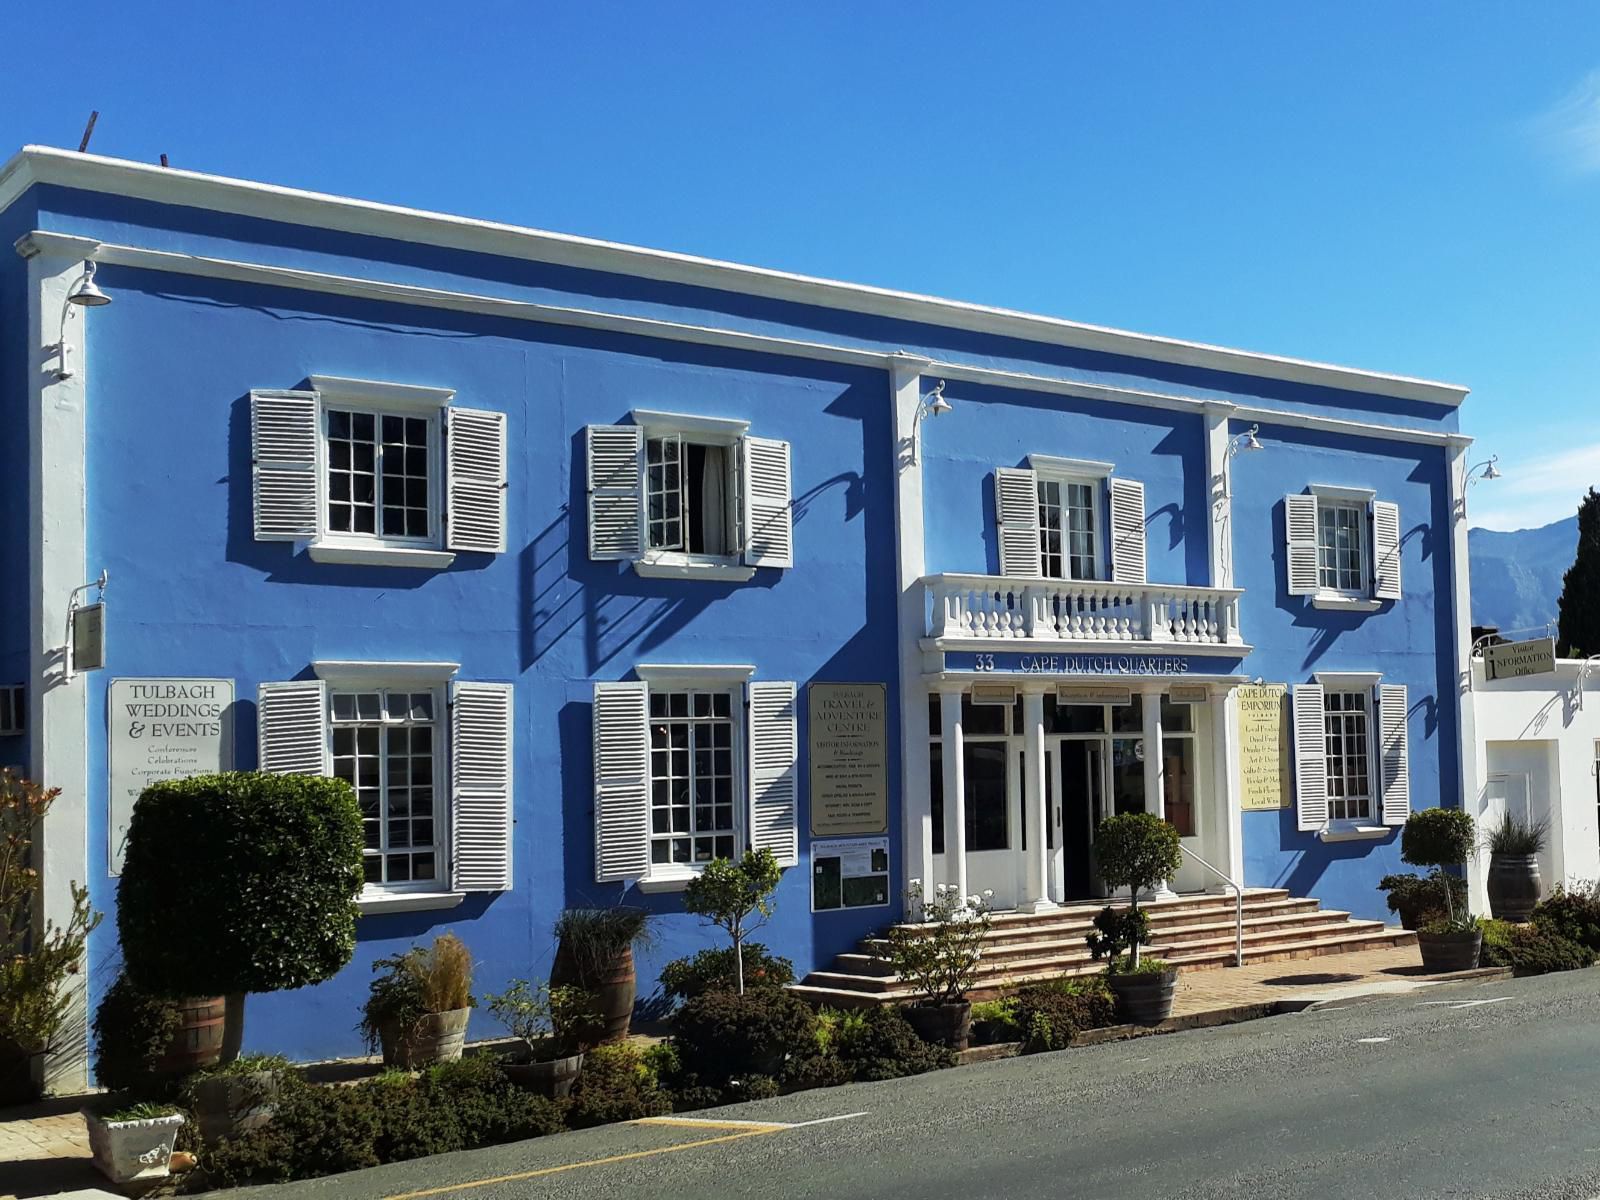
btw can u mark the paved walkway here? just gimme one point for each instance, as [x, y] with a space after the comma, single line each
[44, 1151]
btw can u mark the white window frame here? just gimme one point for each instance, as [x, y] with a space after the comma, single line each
[1358, 500]
[1065, 472]
[689, 429]
[1368, 717]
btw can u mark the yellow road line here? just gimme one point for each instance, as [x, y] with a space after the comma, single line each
[744, 1132]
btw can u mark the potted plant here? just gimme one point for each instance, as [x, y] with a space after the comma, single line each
[133, 1144]
[735, 897]
[34, 964]
[417, 1009]
[1418, 899]
[1514, 883]
[939, 959]
[1443, 837]
[594, 953]
[261, 898]
[555, 1025]
[237, 1097]
[1135, 851]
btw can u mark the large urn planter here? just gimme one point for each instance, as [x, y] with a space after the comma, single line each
[1443, 953]
[435, 1038]
[1515, 886]
[228, 1105]
[552, 1079]
[612, 983]
[942, 1024]
[133, 1151]
[1145, 998]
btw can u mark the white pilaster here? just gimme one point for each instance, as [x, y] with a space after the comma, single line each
[955, 789]
[1035, 814]
[57, 550]
[916, 810]
[1155, 799]
[1221, 489]
[1224, 714]
[1471, 754]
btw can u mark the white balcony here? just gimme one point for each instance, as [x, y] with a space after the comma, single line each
[988, 608]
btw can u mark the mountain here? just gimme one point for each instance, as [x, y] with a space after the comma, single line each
[1516, 576]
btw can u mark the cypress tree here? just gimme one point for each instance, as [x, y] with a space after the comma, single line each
[1578, 633]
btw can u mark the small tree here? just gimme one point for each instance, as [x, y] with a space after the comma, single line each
[736, 897]
[1438, 837]
[240, 882]
[1134, 850]
[1579, 622]
[939, 957]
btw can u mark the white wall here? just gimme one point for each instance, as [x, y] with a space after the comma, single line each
[1543, 726]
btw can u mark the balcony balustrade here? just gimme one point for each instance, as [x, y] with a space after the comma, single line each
[1060, 610]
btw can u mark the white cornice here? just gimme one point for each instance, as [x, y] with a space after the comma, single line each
[90, 172]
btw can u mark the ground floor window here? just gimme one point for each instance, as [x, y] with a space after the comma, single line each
[1349, 779]
[386, 746]
[692, 779]
[1179, 763]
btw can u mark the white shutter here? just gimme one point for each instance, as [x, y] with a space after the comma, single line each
[768, 519]
[621, 781]
[774, 750]
[292, 728]
[616, 485]
[1310, 756]
[1300, 544]
[1385, 550]
[285, 437]
[475, 487]
[1127, 531]
[1396, 753]
[480, 787]
[1016, 510]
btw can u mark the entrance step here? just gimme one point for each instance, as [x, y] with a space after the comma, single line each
[1191, 932]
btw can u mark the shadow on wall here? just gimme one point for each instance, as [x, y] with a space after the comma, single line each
[1303, 876]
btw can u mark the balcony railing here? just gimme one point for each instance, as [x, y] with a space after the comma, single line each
[1059, 610]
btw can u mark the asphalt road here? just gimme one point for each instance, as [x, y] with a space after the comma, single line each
[1484, 1090]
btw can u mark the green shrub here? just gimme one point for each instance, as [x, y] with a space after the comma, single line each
[1437, 837]
[1574, 915]
[882, 1045]
[736, 897]
[686, 978]
[1417, 898]
[1533, 950]
[261, 895]
[1497, 939]
[616, 1085]
[1050, 1014]
[722, 1035]
[132, 1028]
[695, 1096]
[409, 986]
[1133, 850]
[995, 1021]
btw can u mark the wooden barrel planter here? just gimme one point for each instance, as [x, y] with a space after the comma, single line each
[1446, 952]
[1515, 886]
[1145, 999]
[200, 1037]
[436, 1038]
[613, 985]
[942, 1024]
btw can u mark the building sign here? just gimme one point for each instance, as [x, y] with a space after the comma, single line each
[1263, 746]
[849, 756]
[1513, 660]
[162, 729]
[1093, 695]
[1012, 663]
[849, 873]
[89, 637]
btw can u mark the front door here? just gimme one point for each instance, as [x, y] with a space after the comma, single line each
[994, 842]
[1075, 792]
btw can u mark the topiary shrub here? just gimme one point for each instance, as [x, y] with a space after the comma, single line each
[616, 1085]
[735, 897]
[1574, 915]
[881, 1044]
[132, 1028]
[1134, 851]
[686, 978]
[722, 1035]
[240, 882]
[1051, 1013]
[1437, 837]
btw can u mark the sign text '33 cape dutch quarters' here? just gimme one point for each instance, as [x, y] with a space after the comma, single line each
[586, 564]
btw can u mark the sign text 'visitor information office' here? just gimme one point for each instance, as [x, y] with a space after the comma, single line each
[1131, 665]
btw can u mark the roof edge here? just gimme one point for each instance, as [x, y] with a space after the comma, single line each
[193, 189]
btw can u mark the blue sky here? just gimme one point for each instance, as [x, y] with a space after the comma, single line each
[1412, 188]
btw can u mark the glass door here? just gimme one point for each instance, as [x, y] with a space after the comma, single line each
[1076, 793]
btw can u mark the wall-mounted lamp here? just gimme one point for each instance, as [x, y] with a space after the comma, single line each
[1245, 441]
[1484, 470]
[932, 405]
[85, 293]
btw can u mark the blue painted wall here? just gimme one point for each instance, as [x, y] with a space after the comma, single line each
[14, 382]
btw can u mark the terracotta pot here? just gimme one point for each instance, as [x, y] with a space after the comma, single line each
[942, 1024]
[200, 1038]
[1446, 952]
[1514, 886]
[612, 984]
[553, 1079]
[436, 1038]
[228, 1105]
[1145, 999]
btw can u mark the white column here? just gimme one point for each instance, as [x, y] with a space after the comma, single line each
[1224, 715]
[955, 789]
[1035, 813]
[1221, 523]
[916, 812]
[58, 717]
[1155, 800]
[1472, 755]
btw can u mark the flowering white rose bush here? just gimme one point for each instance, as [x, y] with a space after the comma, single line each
[939, 958]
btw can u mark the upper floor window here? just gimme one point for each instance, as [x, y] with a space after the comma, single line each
[380, 473]
[1342, 547]
[691, 494]
[1069, 527]
[1051, 525]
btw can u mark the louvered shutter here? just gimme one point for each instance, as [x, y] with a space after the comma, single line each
[1127, 531]
[292, 728]
[1395, 754]
[480, 786]
[616, 484]
[768, 519]
[774, 788]
[475, 488]
[1016, 504]
[1310, 757]
[621, 781]
[1386, 550]
[285, 437]
[1300, 552]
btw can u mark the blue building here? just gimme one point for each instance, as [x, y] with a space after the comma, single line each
[587, 564]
